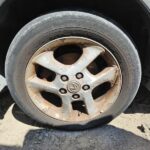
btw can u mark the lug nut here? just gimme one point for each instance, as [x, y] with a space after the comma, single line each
[63, 91]
[79, 75]
[64, 78]
[76, 96]
[86, 87]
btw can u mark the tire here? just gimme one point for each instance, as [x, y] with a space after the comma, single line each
[71, 23]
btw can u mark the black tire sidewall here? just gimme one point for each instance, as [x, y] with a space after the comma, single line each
[49, 27]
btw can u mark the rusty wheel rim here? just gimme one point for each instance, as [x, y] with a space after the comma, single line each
[73, 86]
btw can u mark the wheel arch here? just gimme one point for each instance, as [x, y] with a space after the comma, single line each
[15, 13]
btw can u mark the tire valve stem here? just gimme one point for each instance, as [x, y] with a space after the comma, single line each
[101, 111]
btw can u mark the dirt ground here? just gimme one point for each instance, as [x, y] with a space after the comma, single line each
[130, 131]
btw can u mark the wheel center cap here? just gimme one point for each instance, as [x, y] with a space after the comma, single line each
[73, 86]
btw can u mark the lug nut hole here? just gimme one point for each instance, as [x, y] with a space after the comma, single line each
[64, 78]
[79, 75]
[63, 91]
[76, 96]
[86, 87]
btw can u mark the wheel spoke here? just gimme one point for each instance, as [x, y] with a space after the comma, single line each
[88, 76]
[67, 107]
[40, 84]
[90, 104]
[89, 55]
[109, 74]
[48, 61]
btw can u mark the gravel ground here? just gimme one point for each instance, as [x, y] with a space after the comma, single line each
[129, 131]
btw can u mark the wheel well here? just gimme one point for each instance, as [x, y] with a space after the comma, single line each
[130, 15]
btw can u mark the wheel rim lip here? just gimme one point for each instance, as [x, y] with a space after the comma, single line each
[40, 50]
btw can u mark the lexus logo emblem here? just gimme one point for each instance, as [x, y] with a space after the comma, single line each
[73, 87]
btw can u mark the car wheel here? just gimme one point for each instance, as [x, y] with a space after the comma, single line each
[72, 70]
